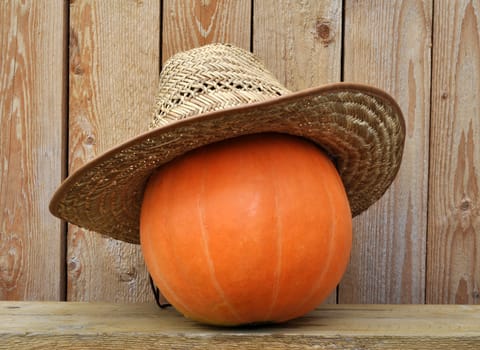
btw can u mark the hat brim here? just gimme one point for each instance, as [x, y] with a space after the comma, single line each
[360, 127]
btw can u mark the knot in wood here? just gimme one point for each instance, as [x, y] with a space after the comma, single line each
[465, 205]
[90, 140]
[323, 31]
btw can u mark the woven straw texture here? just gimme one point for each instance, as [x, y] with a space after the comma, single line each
[218, 92]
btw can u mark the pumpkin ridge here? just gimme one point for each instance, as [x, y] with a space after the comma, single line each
[318, 284]
[211, 267]
[279, 228]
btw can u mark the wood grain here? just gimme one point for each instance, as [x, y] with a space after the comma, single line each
[114, 62]
[32, 117]
[300, 43]
[192, 23]
[454, 205]
[140, 326]
[387, 44]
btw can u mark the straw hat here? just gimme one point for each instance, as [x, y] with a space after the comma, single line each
[217, 92]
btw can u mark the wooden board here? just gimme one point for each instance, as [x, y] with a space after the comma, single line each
[454, 220]
[300, 42]
[387, 44]
[114, 67]
[140, 326]
[32, 117]
[192, 23]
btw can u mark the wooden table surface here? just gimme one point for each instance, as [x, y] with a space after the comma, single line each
[57, 325]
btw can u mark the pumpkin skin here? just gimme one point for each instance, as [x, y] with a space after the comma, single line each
[255, 229]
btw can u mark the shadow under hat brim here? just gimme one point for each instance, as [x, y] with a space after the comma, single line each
[360, 127]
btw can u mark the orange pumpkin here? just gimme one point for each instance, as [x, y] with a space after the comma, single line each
[250, 230]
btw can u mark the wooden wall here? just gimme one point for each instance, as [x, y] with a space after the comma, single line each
[78, 77]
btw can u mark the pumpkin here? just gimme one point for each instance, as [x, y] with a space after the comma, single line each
[250, 230]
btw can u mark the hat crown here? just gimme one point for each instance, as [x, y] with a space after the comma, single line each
[210, 78]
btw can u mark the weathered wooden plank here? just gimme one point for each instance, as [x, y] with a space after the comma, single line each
[192, 23]
[141, 326]
[387, 44]
[300, 42]
[32, 118]
[454, 216]
[114, 67]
